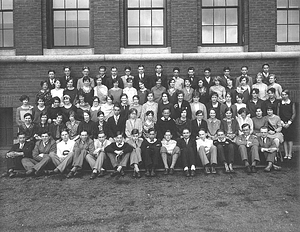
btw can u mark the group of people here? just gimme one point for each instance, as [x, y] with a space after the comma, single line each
[138, 119]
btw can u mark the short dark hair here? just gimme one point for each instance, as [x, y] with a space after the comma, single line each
[28, 114]
[102, 67]
[207, 69]
[51, 70]
[100, 113]
[24, 97]
[176, 68]
[226, 68]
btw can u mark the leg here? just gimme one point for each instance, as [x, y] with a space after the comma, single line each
[254, 155]
[78, 159]
[55, 159]
[221, 153]
[40, 165]
[112, 158]
[175, 155]
[135, 156]
[286, 152]
[91, 159]
[290, 150]
[66, 162]
[213, 155]
[203, 156]
[244, 154]
[123, 162]
[28, 163]
[163, 152]
[99, 162]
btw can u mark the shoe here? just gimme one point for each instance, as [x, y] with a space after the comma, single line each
[286, 156]
[30, 172]
[49, 172]
[101, 173]
[207, 170]
[56, 171]
[138, 175]
[226, 168]
[231, 169]
[12, 174]
[248, 169]
[253, 169]
[193, 173]
[213, 170]
[171, 171]
[267, 169]
[289, 157]
[147, 173]
[93, 176]
[77, 173]
[134, 174]
[39, 173]
[277, 168]
[166, 172]
[152, 173]
[115, 173]
[187, 173]
[70, 175]
[122, 173]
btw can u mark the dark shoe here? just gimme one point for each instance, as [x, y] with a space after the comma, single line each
[70, 175]
[12, 174]
[253, 169]
[213, 170]
[193, 173]
[101, 173]
[138, 174]
[268, 168]
[39, 173]
[231, 170]
[115, 173]
[134, 174]
[171, 172]
[77, 173]
[147, 173]
[122, 173]
[49, 172]
[153, 173]
[187, 173]
[207, 170]
[93, 176]
[166, 172]
[248, 169]
[277, 168]
[30, 172]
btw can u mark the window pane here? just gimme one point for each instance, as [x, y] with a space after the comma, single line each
[219, 2]
[157, 3]
[145, 3]
[219, 16]
[84, 36]
[58, 4]
[157, 36]
[1, 42]
[7, 4]
[219, 34]
[282, 3]
[157, 18]
[59, 37]
[83, 3]
[293, 17]
[207, 34]
[231, 34]
[294, 4]
[146, 36]
[71, 18]
[0, 20]
[207, 2]
[133, 36]
[8, 38]
[232, 2]
[133, 3]
[281, 17]
[145, 18]
[70, 3]
[71, 36]
[59, 18]
[83, 18]
[231, 17]
[133, 18]
[7, 20]
[293, 33]
[207, 17]
[281, 33]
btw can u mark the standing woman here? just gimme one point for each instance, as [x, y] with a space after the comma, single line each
[188, 90]
[71, 91]
[100, 90]
[164, 103]
[23, 109]
[197, 105]
[135, 104]
[44, 93]
[150, 105]
[203, 91]
[86, 90]
[133, 123]
[181, 104]
[68, 106]
[172, 91]
[95, 109]
[38, 110]
[219, 89]
[287, 113]
[213, 124]
[57, 91]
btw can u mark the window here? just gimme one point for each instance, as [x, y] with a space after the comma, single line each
[288, 21]
[145, 22]
[71, 23]
[6, 24]
[220, 22]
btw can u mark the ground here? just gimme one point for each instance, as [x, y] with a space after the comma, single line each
[236, 202]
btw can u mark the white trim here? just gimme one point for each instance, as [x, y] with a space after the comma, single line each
[287, 48]
[68, 51]
[166, 50]
[221, 49]
[8, 52]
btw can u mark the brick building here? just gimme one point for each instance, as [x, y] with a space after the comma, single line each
[38, 35]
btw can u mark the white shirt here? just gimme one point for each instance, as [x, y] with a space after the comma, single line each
[64, 146]
[130, 92]
[169, 145]
[100, 146]
[207, 144]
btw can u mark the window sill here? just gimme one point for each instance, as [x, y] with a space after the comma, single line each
[222, 49]
[287, 48]
[166, 50]
[68, 51]
[7, 52]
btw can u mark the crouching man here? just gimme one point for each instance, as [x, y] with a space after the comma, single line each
[41, 155]
[118, 153]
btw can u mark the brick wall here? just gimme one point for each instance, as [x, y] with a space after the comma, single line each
[28, 27]
[262, 25]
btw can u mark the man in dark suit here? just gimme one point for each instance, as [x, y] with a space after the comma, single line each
[67, 77]
[51, 79]
[198, 123]
[17, 152]
[159, 73]
[225, 77]
[268, 148]
[188, 151]
[115, 123]
[114, 76]
[191, 76]
[149, 83]
[207, 80]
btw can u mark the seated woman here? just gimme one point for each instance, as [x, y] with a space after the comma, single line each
[135, 105]
[188, 90]
[68, 106]
[23, 109]
[244, 88]
[95, 109]
[28, 128]
[230, 125]
[54, 109]
[42, 126]
[86, 90]
[71, 91]
[259, 121]
[136, 155]
[148, 122]
[213, 125]
[203, 91]
[150, 105]
[44, 93]
[164, 103]
[107, 107]
[197, 105]
[82, 105]
[240, 102]
[244, 118]
[38, 110]
[172, 91]
[133, 123]
[219, 89]
[274, 126]
[57, 91]
[72, 126]
[181, 123]
[115, 91]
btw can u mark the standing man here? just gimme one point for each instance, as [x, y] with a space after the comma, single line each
[115, 123]
[244, 71]
[193, 79]
[85, 73]
[208, 80]
[159, 74]
[67, 76]
[51, 79]
[114, 76]
[225, 77]
[142, 77]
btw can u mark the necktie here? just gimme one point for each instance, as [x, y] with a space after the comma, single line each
[186, 141]
[21, 145]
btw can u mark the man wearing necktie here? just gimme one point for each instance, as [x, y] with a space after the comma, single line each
[51, 79]
[244, 71]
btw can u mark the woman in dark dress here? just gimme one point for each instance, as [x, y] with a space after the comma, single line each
[287, 113]
[181, 104]
[54, 109]
[87, 91]
[44, 93]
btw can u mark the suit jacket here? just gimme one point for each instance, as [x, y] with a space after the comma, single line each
[191, 144]
[269, 143]
[49, 85]
[39, 148]
[113, 128]
[88, 145]
[27, 149]
[241, 140]
[194, 81]
[109, 82]
[53, 127]
[63, 81]
[196, 128]
[164, 80]
[208, 84]
[234, 126]
[184, 105]
[148, 81]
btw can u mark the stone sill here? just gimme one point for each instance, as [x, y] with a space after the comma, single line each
[287, 48]
[8, 52]
[145, 50]
[228, 49]
[68, 51]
